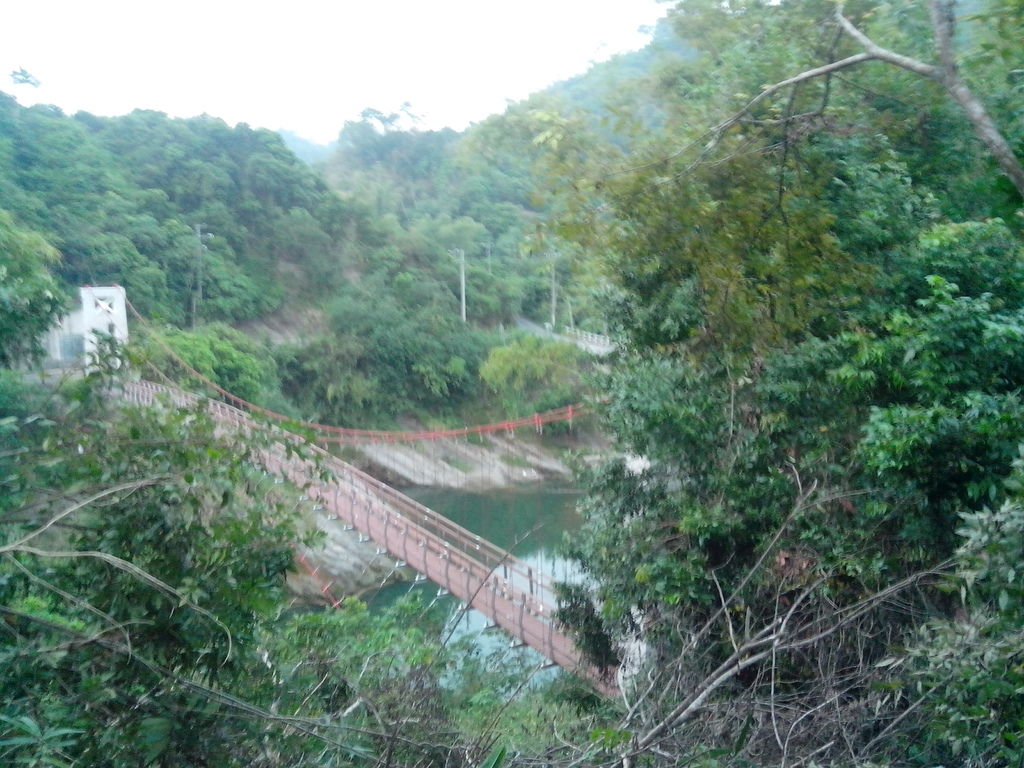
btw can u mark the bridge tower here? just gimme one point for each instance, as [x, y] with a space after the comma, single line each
[74, 340]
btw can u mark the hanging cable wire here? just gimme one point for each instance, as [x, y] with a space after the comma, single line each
[326, 433]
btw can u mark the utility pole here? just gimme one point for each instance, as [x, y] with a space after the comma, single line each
[197, 294]
[554, 296]
[462, 281]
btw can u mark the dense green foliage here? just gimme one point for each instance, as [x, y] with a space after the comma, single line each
[437, 191]
[385, 356]
[972, 665]
[392, 340]
[30, 299]
[121, 199]
[809, 549]
[532, 371]
[202, 223]
[130, 619]
[821, 307]
[227, 357]
[144, 618]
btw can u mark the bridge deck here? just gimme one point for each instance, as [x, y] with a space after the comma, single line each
[509, 592]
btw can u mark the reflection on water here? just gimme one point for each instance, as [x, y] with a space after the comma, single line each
[529, 522]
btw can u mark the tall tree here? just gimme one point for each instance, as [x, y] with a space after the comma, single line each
[30, 298]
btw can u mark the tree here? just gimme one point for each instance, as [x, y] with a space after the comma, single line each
[531, 375]
[966, 672]
[136, 575]
[224, 355]
[30, 299]
[819, 376]
[120, 198]
[945, 73]
[144, 613]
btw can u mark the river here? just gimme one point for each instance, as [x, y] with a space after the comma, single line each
[528, 521]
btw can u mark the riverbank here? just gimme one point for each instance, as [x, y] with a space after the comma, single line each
[489, 462]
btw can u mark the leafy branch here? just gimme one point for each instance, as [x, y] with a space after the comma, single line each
[945, 73]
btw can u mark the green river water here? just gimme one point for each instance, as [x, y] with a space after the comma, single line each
[529, 521]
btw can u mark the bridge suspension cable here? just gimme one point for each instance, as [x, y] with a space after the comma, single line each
[326, 433]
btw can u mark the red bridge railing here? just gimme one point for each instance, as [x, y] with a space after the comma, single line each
[510, 592]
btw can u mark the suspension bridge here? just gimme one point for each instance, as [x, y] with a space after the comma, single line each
[510, 593]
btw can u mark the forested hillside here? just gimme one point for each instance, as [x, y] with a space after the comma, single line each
[801, 222]
[121, 198]
[203, 223]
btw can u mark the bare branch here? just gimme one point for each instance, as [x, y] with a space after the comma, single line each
[884, 54]
[732, 666]
[853, 612]
[797, 509]
[131, 486]
[781, 639]
[944, 23]
[810, 74]
[947, 75]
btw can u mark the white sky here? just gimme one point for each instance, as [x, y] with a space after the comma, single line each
[308, 65]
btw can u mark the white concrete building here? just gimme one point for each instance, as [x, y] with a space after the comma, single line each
[73, 341]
